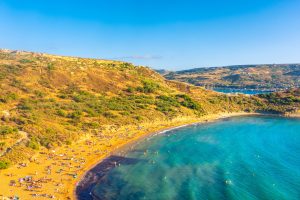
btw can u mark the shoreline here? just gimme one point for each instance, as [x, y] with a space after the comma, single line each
[98, 170]
[58, 172]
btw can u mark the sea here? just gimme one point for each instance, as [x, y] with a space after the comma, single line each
[238, 158]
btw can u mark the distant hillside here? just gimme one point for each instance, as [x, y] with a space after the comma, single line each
[48, 100]
[163, 71]
[242, 76]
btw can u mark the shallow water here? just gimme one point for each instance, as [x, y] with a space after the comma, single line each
[237, 158]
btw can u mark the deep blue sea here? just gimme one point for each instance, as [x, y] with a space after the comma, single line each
[242, 91]
[241, 158]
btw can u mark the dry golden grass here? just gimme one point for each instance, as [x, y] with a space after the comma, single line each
[63, 102]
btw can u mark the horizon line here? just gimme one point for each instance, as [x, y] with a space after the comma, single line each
[97, 58]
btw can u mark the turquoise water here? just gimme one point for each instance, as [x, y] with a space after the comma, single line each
[238, 158]
[243, 91]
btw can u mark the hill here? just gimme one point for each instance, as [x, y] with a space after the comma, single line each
[56, 100]
[269, 77]
[61, 115]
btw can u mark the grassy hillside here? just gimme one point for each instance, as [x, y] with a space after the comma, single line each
[48, 100]
[244, 76]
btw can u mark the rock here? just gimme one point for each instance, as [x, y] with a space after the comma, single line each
[5, 115]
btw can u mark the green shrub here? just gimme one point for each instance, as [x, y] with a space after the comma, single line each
[5, 130]
[4, 164]
[109, 115]
[61, 113]
[186, 101]
[160, 106]
[33, 144]
[26, 61]
[25, 105]
[75, 115]
[8, 97]
[39, 94]
[139, 118]
[2, 144]
[148, 87]
[83, 96]
[276, 99]
[170, 100]
[166, 104]
[17, 83]
[62, 96]
[130, 89]
[92, 125]
[50, 67]
[45, 142]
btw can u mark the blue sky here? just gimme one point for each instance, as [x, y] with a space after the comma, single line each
[165, 34]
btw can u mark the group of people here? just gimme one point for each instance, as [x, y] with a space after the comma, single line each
[67, 164]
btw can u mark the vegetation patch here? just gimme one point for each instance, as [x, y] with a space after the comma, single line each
[56, 100]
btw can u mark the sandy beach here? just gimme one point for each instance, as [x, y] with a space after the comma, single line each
[55, 173]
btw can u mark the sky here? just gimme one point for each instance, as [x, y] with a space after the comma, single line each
[162, 34]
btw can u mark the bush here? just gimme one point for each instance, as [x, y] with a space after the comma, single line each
[109, 115]
[186, 101]
[93, 125]
[5, 130]
[4, 164]
[75, 115]
[139, 118]
[170, 100]
[83, 96]
[45, 142]
[120, 104]
[2, 144]
[33, 144]
[62, 96]
[279, 99]
[39, 94]
[26, 61]
[25, 105]
[8, 97]
[130, 89]
[166, 104]
[160, 106]
[61, 113]
[50, 67]
[148, 87]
